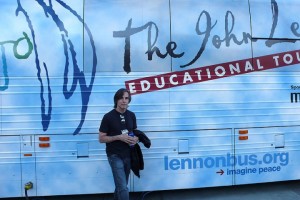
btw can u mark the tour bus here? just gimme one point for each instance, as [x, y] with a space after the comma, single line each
[215, 85]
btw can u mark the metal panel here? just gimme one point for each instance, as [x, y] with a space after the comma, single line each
[129, 37]
[209, 155]
[10, 167]
[28, 163]
[61, 169]
[258, 160]
[275, 19]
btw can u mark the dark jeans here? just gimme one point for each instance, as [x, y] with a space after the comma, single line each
[120, 169]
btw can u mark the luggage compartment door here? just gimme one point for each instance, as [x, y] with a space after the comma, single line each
[266, 154]
[186, 159]
[10, 167]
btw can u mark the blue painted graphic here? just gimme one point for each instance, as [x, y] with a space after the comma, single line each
[70, 61]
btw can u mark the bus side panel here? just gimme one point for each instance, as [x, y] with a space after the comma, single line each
[234, 120]
[10, 179]
[267, 155]
[72, 165]
[185, 159]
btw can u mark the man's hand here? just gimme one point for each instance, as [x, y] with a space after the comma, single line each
[128, 139]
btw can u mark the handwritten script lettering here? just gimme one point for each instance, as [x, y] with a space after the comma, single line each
[205, 18]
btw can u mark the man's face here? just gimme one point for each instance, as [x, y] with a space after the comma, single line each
[123, 103]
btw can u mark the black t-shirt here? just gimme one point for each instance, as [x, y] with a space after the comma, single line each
[113, 123]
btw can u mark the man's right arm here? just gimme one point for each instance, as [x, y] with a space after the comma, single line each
[104, 138]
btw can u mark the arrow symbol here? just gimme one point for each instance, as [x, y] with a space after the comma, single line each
[221, 172]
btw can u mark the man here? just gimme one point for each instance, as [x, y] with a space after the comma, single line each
[113, 131]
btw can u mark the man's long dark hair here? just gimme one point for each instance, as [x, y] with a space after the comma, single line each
[119, 95]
